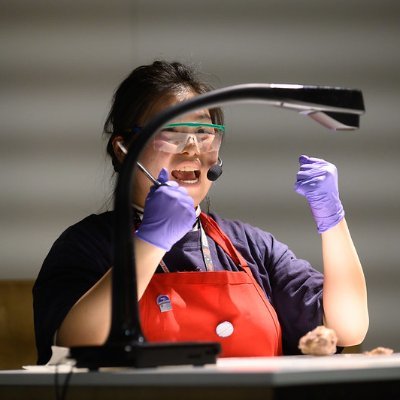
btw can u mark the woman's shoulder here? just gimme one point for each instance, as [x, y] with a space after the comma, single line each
[91, 224]
[244, 232]
[100, 219]
[236, 224]
[86, 242]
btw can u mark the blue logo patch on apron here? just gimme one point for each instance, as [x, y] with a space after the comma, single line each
[164, 303]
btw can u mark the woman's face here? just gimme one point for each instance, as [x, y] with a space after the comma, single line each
[188, 167]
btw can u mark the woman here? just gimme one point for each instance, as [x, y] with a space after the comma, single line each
[200, 277]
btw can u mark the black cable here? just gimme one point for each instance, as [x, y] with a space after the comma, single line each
[61, 389]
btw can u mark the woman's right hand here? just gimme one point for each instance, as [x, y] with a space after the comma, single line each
[317, 181]
[169, 214]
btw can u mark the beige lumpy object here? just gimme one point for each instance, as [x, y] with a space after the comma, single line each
[321, 341]
[379, 351]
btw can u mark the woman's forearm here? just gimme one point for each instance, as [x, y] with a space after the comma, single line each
[345, 292]
[89, 320]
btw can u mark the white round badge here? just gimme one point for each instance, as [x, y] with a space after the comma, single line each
[224, 329]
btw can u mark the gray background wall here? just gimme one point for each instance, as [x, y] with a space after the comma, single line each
[61, 61]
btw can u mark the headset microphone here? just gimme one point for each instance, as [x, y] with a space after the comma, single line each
[215, 171]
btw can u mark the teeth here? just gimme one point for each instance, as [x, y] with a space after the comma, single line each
[194, 181]
[187, 169]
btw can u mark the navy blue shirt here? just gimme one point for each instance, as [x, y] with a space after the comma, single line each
[85, 252]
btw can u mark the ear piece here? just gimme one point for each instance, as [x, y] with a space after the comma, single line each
[122, 147]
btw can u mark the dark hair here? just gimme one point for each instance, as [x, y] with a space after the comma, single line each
[141, 88]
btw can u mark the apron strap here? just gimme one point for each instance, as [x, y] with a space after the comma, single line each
[214, 231]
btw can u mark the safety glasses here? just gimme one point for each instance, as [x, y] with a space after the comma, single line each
[174, 138]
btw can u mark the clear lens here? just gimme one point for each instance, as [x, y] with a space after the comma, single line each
[174, 138]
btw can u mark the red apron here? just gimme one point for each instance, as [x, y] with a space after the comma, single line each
[224, 306]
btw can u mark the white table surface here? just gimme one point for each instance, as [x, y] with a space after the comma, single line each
[265, 371]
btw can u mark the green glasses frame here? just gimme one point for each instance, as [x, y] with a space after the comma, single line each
[220, 127]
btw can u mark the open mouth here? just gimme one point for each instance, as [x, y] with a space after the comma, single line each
[186, 175]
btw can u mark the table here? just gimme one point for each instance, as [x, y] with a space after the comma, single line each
[339, 376]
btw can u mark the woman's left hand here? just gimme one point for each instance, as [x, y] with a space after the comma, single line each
[317, 181]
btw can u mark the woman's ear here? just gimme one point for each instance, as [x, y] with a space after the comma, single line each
[119, 149]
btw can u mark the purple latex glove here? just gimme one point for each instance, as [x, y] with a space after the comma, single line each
[317, 181]
[168, 214]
